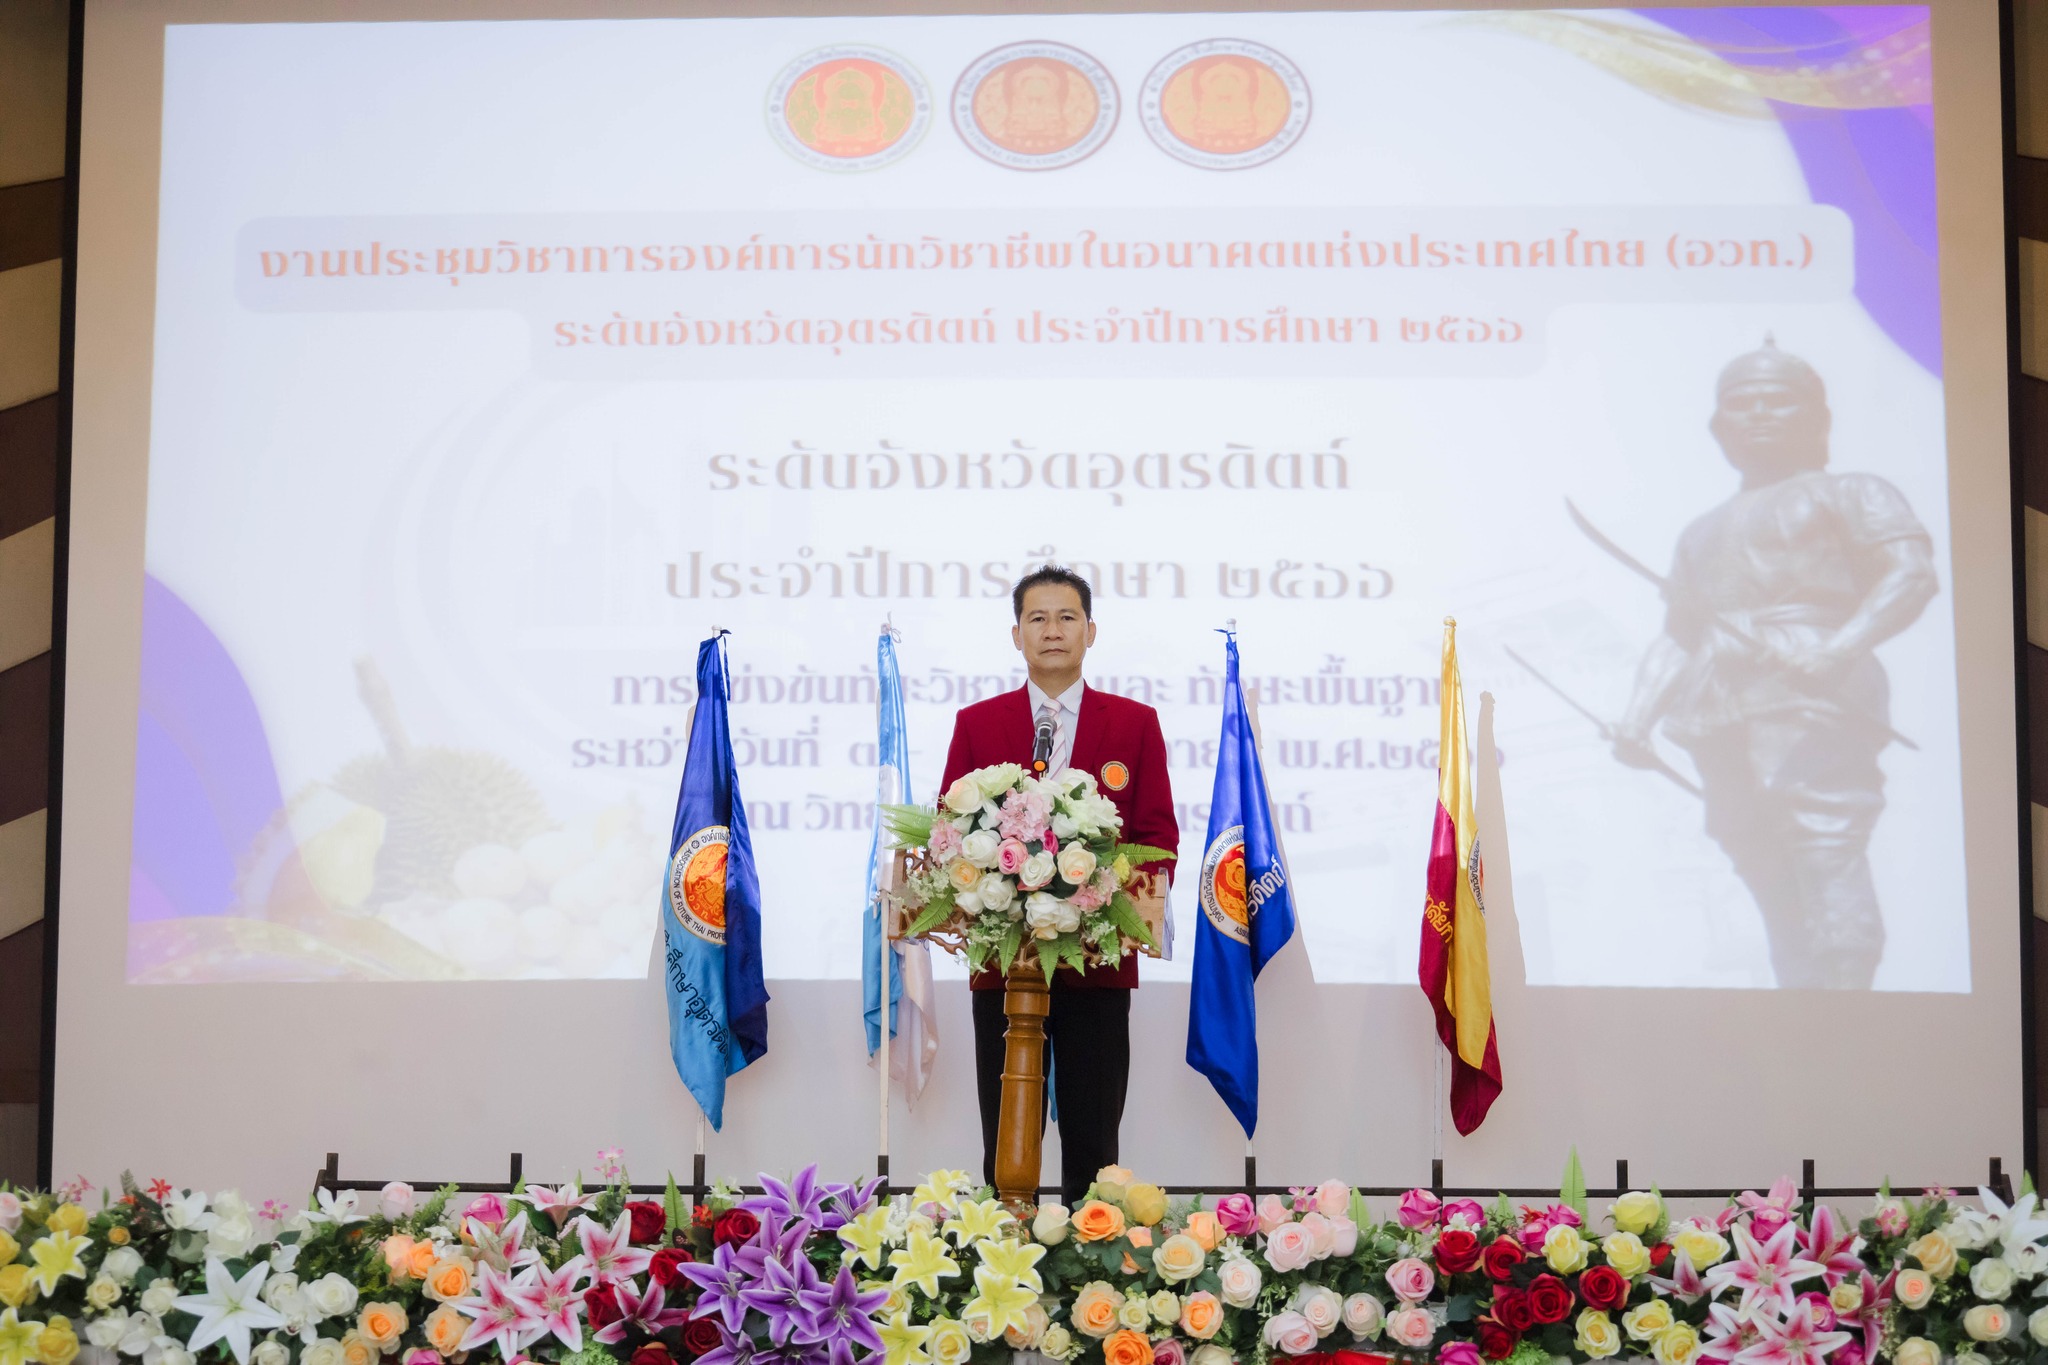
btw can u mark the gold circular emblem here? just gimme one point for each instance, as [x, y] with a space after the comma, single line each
[1225, 104]
[849, 108]
[1223, 890]
[1115, 776]
[1035, 106]
[696, 884]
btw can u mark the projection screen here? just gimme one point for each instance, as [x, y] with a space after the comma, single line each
[445, 374]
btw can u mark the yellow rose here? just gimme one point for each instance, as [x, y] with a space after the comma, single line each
[1146, 1203]
[449, 1278]
[357, 1349]
[1201, 1314]
[1646, 1321]
[15, 1289]
[1134, 1312]
[965, 875]
[68, 1218]
[1701, 1246]
[1636, 1211]
[118, 1235]
[1127, 1348]
[1846, 1297]
[1203, 1227]
[103, 1293]
[9, 1248]
[949, 1344]
[1597, 1337]
[1095, 1308]
[1565, 1250]
[1096, 1221]
[1626, 1253]
[1180, 1257]
[383, 1324]
[1917, 1351]
[444, 1329]
[1165, 1306]
[1936, 1254]
[1913, 1287]
[1988, 1322]
[1678, 1344]
[58, 1345]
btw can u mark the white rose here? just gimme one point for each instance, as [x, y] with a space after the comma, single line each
[122, 1263]
[1209, 1353]
[1042, 914]
[1321, 1306]
[279, 1287]
[104, 1291]
[395, 1201]
[998, 778]
[996, 892]
[331, 1295]
[980, 847]
[1037, 870]
[1238, 1282]
[106, 1332]
[1991, 1278]
[1968, 1230]
[1363, 1315]
[284, 1255]
[1063, 826]
[1076, 864]
[2037, 1327]
[158, 1298]
[1068, 918]
[325, 1351]
[1056, 1341]
[270, 1353]
[1049, 1224]
[963, 796]
[167, 1351]
[139, 1333]
[231, 1235]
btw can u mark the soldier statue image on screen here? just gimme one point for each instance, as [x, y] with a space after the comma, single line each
[1765, 672]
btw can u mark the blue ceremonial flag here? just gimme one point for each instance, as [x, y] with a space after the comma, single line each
[1247, 912]
[717, 999]
[916, 1036]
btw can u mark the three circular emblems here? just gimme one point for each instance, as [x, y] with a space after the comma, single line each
[696, 883]
[1220, 104]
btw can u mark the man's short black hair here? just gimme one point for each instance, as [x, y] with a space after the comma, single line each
[1052, 573]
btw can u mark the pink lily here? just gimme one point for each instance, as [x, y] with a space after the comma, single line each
[557, 1204]
[1764, 1271]
[1728, 1334]
[1869, 1318]
[1783, 1196]
[557, 1299]
[611, 1251]
[501, 1248]
[1833, 1244]
[648, 1311]
[1685, 1282]
[1798, 1340]
[504, 1311]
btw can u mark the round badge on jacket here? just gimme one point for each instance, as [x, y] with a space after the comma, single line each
[1115, 776]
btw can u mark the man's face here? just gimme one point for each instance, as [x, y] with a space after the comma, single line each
[1054, 633]
[1764, 425]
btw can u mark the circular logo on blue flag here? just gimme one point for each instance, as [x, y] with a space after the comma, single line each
[1223, 888]
[696, 884]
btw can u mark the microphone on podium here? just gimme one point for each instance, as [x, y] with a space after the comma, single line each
[1041, 744]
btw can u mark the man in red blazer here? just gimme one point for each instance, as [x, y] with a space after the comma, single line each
[1088, 1031]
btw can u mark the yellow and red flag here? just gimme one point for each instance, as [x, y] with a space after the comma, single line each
[1454, 971]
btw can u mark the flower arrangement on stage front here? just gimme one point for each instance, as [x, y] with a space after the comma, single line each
[810, 1273]
[1006, 857]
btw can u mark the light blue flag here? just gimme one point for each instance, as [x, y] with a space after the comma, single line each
[1247, 912]
[711, 912]
[892, 787]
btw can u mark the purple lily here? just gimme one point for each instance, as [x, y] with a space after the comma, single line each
[733, 1348]
[844, 1203]
[779, 1296]
[722, 1280]
[841, 1317]
[801, 1199]
[648, 1311]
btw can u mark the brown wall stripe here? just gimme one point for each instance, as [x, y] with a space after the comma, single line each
[28, 463]
[21, 1015]
[31, 223]
[25, 739]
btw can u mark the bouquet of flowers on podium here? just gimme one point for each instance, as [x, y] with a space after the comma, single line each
[1006, 858]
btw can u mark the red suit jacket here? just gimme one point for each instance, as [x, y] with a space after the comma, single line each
[1116, 739]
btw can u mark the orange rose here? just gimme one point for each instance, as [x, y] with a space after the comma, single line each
[1095, 1307]
[382, 1324]
[1140, 1237]
[1203, 1227]
[449, 1278]
[445, 1328]
[1201, 1313]
[397, 1250]
[1096, 1221]
[357, 1349]
[424, 1254]
[1127, 1348]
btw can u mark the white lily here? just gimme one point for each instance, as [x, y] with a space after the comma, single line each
[229, 1309]
[339, 1209]
[2014, 1224]
[187, 1212]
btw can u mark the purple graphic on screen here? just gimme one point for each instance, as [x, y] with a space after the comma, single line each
[205, 785]
[1873, 159]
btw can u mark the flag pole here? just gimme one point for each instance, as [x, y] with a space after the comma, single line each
[882, 1047]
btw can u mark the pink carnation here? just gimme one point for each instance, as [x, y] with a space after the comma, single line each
[1418, 1209]
[1025, 815]
[945, 841]
[1237, 1214]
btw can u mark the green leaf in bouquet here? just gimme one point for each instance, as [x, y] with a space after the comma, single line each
[1123, 913]
[1013, 938]
[1460, 1308]
[1048, 957]
[2026, 1183]
[672, 1209]
[909, 826]
[1072, 953]
[1572, 1191]
[936, 911]
[1140, 854]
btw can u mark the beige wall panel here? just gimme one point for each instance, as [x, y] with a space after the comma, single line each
[33, 36]
[21, 870]
[29, 312]
[27, 561]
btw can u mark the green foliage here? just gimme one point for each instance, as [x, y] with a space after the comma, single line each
[909, 826]
[1572, 1192]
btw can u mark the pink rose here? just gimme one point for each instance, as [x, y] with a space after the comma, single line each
[395, 1200]
[1766, 1223]
[1892, 1219]
[423, 1355]
[1410, 1278]
[1010, 856]
[1322, 1238]
[1458, 1353]
[1168, 1351]
[945, 841]
[487, 1209]
[1411, 1327]
[1823, 1310]
[1237, 1214]
[1292, 1333]
[1418, 1209]
[1343, 1236]
[1466, 1211]
[1333, 1199]
[1273, 1212]
[1289, 1247]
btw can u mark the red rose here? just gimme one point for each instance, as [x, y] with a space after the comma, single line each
[1511, 1308]
[601, 1306]
[653, 1353]
[701, 1336]
[733, 1227]
[1604, 1287]
[1495, 1341]
[1457, 1251]
[1501, 1258]
[1549, 1300]
[649, 1222]
[1659, 1254]
[664, 1267]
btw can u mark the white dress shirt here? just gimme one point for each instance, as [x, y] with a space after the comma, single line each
[1066, 715]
